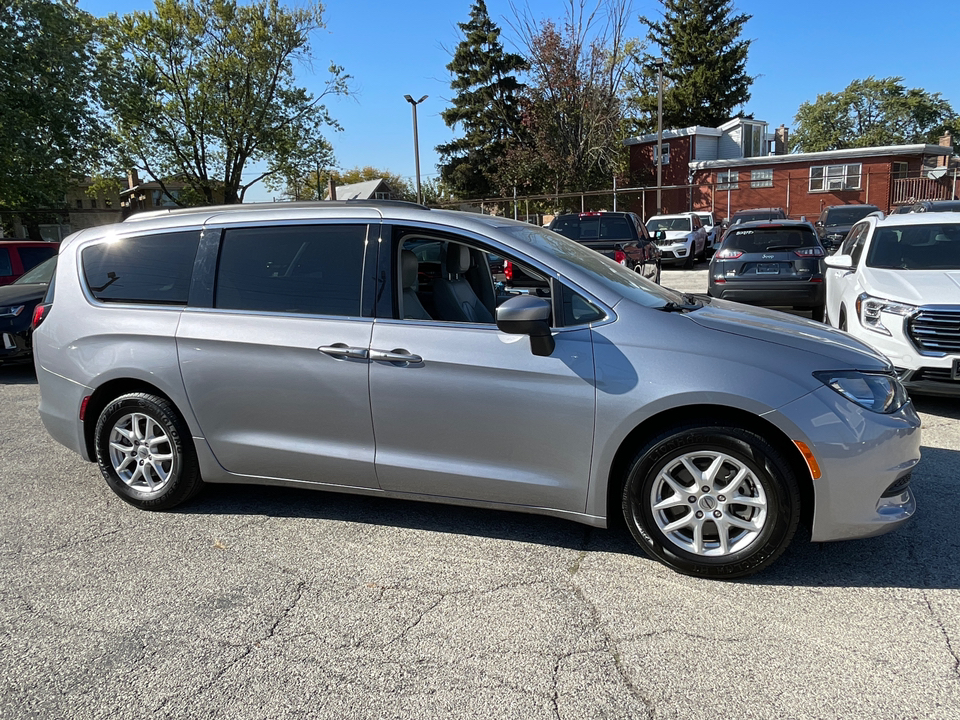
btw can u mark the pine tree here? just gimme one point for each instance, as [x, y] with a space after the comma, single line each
[485, 107]
[704, 71]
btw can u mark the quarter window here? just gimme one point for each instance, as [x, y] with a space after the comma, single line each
[761, 178]
[313, 269]
[831, 178]
[30, 257]
[152, 269]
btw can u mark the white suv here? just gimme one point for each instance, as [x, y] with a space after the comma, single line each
[895, 283]
[682, 238]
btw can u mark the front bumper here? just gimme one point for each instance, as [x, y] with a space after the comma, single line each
[863, 457]
[677, 252]
[788, 292]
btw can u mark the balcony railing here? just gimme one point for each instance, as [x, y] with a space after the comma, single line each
[907, 190]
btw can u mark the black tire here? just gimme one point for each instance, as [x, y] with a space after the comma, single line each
[703, 252]
[145, 452]
[657, 278]
[688, 264]
[768, 484]
[842, 325]
[818, 313]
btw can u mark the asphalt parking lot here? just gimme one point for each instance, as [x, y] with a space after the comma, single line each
[257, 602]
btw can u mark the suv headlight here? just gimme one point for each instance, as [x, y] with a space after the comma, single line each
[870, 311]
[879, 392]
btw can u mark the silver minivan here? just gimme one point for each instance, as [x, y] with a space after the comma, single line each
[367, 348]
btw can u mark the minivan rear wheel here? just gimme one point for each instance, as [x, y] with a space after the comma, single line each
[145, 453]
[711, 501]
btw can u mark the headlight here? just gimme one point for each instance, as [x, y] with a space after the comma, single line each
[12, 311]
[870, 309]
[879, 392]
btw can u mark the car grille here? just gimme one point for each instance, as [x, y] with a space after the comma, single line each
[941, 375]
[936, 330]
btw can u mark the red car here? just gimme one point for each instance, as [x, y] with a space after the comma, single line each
[18, 256]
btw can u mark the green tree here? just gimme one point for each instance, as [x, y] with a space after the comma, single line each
[573, 109]
[50, 131]
[203, 89]
[704, 71]
[871, 113]
[485, 107]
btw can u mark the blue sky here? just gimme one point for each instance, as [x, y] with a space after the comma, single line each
[800, 49]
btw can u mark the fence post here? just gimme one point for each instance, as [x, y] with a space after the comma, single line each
[614, 193]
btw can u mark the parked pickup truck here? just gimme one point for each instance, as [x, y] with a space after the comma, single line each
[618, 235]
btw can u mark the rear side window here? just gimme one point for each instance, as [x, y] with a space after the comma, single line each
[312, 269]
[151, 269]
[6, 268]
[593, 228]
[770, 239]
[33, 256]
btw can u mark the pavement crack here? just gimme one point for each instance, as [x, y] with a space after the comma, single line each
[420, 616]
[946, 635]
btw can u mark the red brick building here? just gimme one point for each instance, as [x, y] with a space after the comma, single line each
[740, 165]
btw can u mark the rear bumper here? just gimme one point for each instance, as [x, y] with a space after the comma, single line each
[60, 401]
[771, 293]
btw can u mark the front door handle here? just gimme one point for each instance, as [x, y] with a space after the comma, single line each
[342, 350]
[395, 356]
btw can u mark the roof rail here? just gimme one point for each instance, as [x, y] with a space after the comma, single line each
[302, 204]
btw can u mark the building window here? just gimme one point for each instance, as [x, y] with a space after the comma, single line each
[381, 196]
[162, 199]
[830, 178]
[761, 178]
[728, 180]
[108, 203]
[752, 140]
[93, 203]
[665, 152]
[900, 170]
[80, 203]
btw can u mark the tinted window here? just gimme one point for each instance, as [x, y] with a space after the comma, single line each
[315, 270]
[5, 267]
[597, 227]
[847, 216]
[916, 247]
[577, 310]
[755, 217]
[751, 240]
[153, 269]
[33, 256]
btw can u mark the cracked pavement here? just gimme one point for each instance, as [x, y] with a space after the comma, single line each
[257, 602]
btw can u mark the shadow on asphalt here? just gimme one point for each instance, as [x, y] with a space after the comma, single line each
[18, 374]
[942, 406]
[923, 554]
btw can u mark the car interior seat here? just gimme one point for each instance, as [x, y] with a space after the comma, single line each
[454, 298]
[411, 307]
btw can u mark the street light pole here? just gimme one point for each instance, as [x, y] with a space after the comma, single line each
[416, 142]
[658, 63]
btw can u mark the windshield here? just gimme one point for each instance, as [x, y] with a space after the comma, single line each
[754, 217]
[916, 247]
[847, 216]
[39, 274]
[705, 219]
[610, 273]
[654, 224]
[752, 240]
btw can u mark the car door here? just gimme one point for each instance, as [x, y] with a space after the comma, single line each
[473, 414]
[275, 366]
[842, 283]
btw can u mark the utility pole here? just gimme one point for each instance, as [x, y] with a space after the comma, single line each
[658, 64]
[416, 143]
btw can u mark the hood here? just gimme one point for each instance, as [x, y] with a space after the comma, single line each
[677, 235]
[914, 287]
[22, 294]
[841, 350]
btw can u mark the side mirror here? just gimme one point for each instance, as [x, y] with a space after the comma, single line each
[840, 262]
[528, 315]
[660, 235]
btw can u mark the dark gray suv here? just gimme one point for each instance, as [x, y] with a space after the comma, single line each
[365, 348]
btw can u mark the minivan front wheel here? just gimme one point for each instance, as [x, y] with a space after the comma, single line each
[711, 501]
[145, 453]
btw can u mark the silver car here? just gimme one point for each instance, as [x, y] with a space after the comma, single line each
[365, 348]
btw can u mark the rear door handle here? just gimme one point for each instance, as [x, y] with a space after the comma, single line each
[342, 350]
[395, 356]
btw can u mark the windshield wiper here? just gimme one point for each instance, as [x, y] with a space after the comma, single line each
[689, 303]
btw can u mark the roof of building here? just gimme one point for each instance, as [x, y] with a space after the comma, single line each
[365, 190]
[675, 133]
[846, 153]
